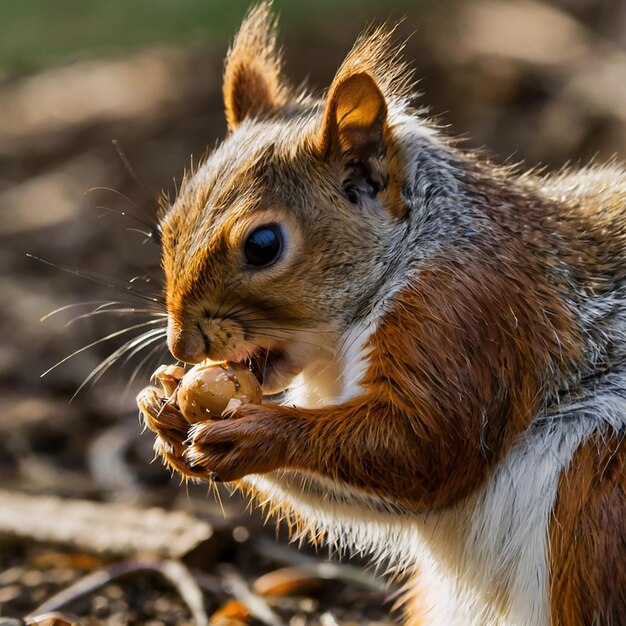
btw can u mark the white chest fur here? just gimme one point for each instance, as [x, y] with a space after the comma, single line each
[327, 383]
[483, 562]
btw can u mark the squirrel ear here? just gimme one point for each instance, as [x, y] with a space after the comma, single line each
[252, 80]
[355, 116]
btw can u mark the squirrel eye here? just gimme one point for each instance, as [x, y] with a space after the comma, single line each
[264, 245]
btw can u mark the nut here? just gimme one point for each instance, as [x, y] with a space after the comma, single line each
[207, 389]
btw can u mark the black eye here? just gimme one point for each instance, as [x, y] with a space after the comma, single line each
[264, 245]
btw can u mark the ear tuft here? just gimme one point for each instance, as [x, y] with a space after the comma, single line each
[371, 78]
[252, 73]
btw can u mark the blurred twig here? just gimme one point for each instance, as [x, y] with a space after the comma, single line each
[101, 527]
[174, 571]
[257, 605]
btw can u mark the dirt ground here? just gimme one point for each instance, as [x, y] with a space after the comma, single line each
[85, 151]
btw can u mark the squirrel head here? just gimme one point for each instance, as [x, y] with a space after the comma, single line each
[281, 238]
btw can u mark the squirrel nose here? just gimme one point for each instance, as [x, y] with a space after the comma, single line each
[189, 346]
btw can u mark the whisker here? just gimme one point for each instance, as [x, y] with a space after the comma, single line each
[224, 296]
[290, 329]
[285, 331]
[279, 337]
[257, 308]
[134, 292]
[136, 371]
[155, 310]
[129, 168]
[148, 235]
[144, 339]
[151, 224]
[148, 339]
[143, 361]
[267, 357]
[101, 340]
[246, 318]
[146, 278]
[114, 191]
[240, 313]
[158, 358]
[267, 362]
[245, 313]
[75, 304]
[126, 311]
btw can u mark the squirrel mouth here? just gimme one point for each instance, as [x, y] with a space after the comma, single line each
[273, 368]
[265, 363]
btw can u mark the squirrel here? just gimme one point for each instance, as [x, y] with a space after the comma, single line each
[448, 336]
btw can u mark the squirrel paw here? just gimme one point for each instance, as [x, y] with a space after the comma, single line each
[171, 428]
[248, 442]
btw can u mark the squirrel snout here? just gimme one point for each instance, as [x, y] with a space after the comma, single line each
[189, 346]
[194, 339]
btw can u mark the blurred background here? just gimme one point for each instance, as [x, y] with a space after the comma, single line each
[102, 107]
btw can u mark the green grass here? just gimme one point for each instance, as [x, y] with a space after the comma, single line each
[38, 33]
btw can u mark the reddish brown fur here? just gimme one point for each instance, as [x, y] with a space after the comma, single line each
[588, 536]
[431, 417]
[486, 332]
